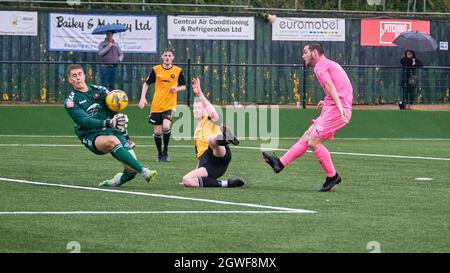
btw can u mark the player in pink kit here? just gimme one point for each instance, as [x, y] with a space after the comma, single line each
[336, 113]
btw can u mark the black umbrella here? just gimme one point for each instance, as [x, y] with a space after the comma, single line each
[416, 41]
[111, 28]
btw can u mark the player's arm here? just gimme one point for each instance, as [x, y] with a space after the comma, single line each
[150, 79]
[212, 113]
[103, 91]
[143, 100]
[331, 89]
[80, 117]
[181, 84]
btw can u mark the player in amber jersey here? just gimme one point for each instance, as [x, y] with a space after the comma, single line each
[168, 80]
[211, 140]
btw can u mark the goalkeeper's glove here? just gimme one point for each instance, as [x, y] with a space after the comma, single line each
[119, 122]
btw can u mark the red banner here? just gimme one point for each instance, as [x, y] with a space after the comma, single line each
[381, 32]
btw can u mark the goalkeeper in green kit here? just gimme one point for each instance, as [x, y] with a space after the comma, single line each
[100, 129]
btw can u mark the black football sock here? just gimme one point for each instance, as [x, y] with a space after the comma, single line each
[158, 142]
[221, 141]
[166, 138]
[211, 182]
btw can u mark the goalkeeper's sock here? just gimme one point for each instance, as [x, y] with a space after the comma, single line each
[158, 143]
[166, 138]
[126, 176]
[122, 154]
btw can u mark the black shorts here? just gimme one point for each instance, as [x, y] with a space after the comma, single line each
[157, 118]
[216, 166]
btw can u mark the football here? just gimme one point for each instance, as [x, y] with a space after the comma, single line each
[117, 100]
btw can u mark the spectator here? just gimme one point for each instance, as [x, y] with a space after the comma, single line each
[111, 54]
[409, 80]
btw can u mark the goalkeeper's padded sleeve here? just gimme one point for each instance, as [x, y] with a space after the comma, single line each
[81, 118]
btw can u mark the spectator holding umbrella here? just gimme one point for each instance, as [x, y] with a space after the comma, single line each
[412, 41]
[110, 53]
[409, 63]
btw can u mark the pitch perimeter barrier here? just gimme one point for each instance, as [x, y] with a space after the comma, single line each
[285, 84]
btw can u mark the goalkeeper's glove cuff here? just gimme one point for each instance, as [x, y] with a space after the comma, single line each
[107, 123]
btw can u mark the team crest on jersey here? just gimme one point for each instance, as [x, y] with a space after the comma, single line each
[93, 109]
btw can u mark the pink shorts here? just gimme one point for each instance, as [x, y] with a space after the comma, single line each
[329, 122]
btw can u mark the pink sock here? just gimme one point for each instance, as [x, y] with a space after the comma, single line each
[297, 150]
[324, 157]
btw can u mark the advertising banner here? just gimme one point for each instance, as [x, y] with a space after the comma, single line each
[210, 28]
[308, 29]
[73, 32]
[18, 23]
[381, 32]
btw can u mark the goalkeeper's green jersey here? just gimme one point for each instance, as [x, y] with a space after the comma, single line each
[88, 110]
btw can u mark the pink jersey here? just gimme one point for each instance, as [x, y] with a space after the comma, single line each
[326, 69]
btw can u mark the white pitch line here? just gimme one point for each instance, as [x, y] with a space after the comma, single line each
[241, 147]
[155, 195]
[147, 212]
[394, 156]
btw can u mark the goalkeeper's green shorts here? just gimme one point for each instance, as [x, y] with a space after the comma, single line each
[89, 140]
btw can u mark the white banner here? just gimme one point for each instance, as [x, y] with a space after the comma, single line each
[210, 28]
[308, 29]
[73, 32]
[18, 23]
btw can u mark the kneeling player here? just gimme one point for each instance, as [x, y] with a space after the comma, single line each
[98, 131]
[211, 145]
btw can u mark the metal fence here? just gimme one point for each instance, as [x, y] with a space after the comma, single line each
[45, 82]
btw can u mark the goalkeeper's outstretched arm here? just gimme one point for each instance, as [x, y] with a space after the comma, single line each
[81, 118]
